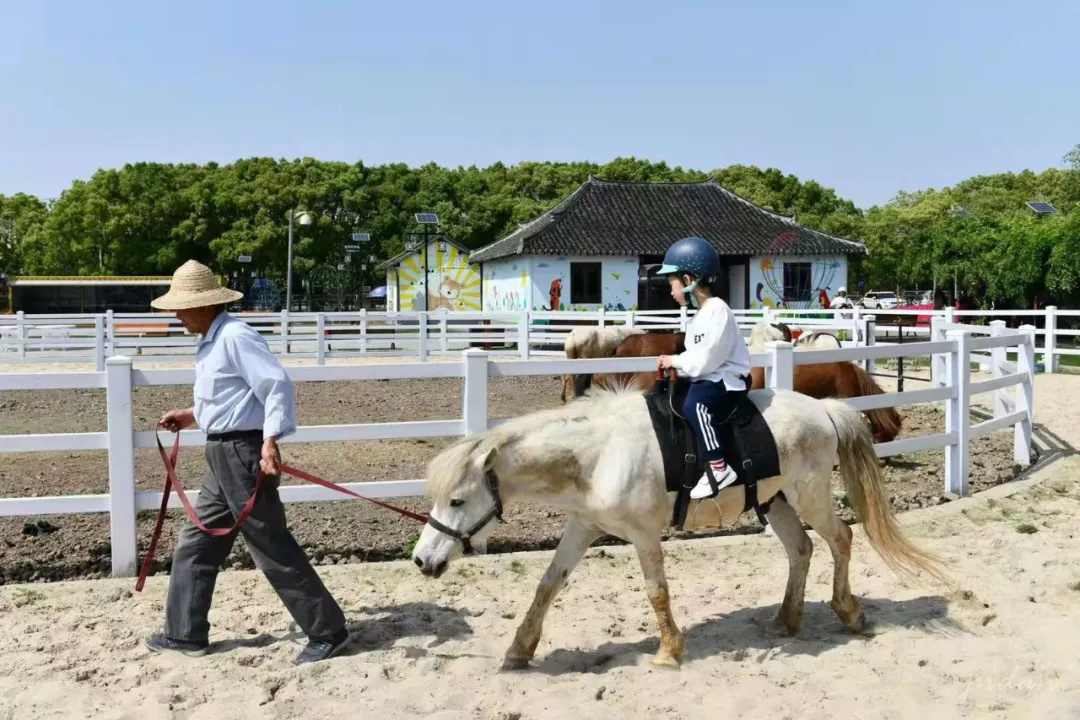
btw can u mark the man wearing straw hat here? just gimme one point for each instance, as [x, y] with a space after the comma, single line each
[244, 402]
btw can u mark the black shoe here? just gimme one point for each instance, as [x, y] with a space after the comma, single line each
[323, 648]
[159, 643]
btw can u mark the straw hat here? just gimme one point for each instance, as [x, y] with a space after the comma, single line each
[194, 286]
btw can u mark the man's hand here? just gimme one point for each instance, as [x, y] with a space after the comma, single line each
[177, 420]
[664, 362]
[271, 457]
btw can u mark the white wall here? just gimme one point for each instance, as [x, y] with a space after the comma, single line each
[506, 284]
[828, 273]
[618, 276]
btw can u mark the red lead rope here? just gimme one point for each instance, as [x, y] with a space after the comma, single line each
[171, 481]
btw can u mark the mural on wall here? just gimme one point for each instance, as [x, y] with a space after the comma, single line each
[795, 282]
[452, 283]
[551, 283]
[506, 285]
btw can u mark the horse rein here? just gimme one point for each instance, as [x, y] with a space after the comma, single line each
[495, 513]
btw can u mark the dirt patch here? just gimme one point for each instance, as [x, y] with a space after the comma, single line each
[348, 531]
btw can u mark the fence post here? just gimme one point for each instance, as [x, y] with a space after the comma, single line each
[320, 342]
[630, 319]
[363, 331]
[950, 315]
[475, 417]
[20, 333]
[1025, 396]
[938, 362]
[870, 323]
[284, 332]
[602, 316]
[1050, 351]
[783, 364]
[99, 343]
[682, 318]
[957, 415]
[123, 532]
[443, 340]
[110, 334]
[422, 338]
[523, 335]
[997, 368]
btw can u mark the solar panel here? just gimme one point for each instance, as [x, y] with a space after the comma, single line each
[1042, 208]
[361, 237]
[959, 211]
[427, 218]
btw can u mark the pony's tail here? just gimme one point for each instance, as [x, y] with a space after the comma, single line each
[885, 421]
[865, 488]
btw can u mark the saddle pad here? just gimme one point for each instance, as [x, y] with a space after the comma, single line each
[746, 437]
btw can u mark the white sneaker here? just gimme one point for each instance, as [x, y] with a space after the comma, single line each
[703, 489]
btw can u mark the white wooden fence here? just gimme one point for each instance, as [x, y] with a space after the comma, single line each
[952, 386]
[323, 336]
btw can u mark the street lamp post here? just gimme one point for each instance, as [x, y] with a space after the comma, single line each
[304, 218]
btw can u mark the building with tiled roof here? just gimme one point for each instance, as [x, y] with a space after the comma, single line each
[601, 244]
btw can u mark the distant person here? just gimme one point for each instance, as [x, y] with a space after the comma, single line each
[841, 301]
[245, 403]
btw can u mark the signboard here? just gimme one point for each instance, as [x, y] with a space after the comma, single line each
[352, 248]
[244, 258]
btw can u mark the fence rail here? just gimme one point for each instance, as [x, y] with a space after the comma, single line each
[327, 336]
[1012, 386]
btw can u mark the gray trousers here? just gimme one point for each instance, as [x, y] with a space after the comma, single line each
[234, 466]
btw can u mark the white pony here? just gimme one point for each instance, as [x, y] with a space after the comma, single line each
[593, 342]
[814, 340]
[598, 459]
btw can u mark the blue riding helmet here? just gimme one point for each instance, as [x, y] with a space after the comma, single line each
[691, 256]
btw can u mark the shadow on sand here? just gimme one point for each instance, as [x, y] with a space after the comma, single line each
[749, 632]
[382, 627]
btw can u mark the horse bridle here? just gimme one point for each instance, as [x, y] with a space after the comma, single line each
[495, 513]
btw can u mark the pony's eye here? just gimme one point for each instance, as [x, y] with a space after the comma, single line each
[457, 502]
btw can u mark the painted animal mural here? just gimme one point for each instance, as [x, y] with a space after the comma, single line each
[449, 291]
[554, 294]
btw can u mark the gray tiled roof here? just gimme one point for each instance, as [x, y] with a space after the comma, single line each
[603, 217]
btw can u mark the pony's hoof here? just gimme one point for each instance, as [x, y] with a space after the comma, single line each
[859, 626]
[513, 664]
[785, 627]
[665, 659]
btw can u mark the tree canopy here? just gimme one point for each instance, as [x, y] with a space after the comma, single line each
[146, 218]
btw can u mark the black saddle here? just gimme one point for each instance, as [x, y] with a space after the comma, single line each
[749, 446]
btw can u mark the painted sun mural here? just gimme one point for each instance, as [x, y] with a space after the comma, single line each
[453, 284]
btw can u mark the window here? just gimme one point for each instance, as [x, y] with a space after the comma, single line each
[797, 284]
[585, 283]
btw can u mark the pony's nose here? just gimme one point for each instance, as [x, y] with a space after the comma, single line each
[419, 564]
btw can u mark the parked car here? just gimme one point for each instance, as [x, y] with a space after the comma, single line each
[879, 299]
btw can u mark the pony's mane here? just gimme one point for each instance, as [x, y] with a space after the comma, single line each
[447, 469]
[762, 333]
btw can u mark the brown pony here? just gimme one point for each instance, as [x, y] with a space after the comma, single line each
[836, 380]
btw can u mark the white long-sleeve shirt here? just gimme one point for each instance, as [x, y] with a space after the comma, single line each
[715, 349]
[239, 384]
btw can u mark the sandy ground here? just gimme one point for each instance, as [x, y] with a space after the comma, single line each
[1000, 644]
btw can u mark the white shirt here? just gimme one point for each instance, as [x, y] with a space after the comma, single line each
[715, 349]
[840, 302]
[239, 384]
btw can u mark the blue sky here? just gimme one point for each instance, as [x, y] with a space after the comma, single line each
[867, 97]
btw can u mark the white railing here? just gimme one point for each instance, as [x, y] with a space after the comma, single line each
[323, 336]
[122, 502]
